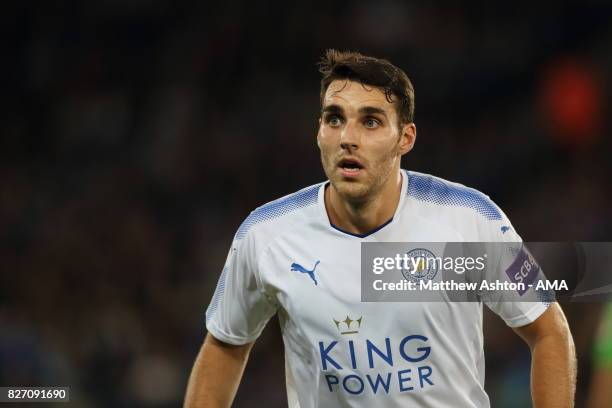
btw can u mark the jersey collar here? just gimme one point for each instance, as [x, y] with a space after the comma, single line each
[325, 216]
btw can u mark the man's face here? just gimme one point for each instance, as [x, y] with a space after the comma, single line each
[360, 141]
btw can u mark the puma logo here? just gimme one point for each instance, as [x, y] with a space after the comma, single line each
[299, 268]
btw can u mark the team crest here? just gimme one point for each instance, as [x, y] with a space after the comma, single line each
[421, 266]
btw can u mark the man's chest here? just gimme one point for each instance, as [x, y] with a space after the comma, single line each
[318, 286]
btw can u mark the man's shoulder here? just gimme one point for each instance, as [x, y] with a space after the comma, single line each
[280, 213]
[446, 195]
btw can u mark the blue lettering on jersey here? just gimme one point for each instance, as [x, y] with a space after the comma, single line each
[352, 352]
[325, 355]
[341, 370]
[379, 382]
[425, 377]
[387, 357]
[425, 350]
[353, 379]
[403, 379]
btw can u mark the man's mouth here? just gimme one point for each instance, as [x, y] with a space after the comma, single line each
[350, 167]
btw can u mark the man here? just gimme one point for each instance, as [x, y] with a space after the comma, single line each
[299, 257]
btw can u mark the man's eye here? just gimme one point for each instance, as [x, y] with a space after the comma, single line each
[334, 120]
[371, 123]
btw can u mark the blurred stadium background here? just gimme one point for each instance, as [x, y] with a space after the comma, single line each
[137, 135]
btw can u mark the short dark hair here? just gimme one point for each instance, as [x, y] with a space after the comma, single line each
[370, 71]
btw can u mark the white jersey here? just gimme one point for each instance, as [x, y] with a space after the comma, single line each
[287, 258]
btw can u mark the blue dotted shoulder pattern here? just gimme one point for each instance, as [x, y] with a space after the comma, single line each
[424, 187]
[285, 205]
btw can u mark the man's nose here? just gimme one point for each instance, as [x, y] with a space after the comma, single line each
[349, 138]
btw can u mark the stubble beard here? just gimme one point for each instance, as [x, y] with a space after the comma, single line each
[360, 192]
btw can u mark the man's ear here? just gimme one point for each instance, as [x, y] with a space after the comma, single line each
[407, 138]
[318, 132]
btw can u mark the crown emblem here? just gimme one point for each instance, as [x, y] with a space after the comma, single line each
[348, 325]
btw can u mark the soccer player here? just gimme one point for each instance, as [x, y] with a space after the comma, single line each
[299, 257]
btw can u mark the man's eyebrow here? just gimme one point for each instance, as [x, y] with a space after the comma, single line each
[332, 109]
[371, 110]
[366, 110]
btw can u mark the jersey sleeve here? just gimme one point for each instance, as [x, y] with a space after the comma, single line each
[240, 308]
[512, 263]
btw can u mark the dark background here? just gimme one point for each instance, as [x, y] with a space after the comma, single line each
[135, 136]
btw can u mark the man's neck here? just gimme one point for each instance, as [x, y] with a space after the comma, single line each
[364, 216]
